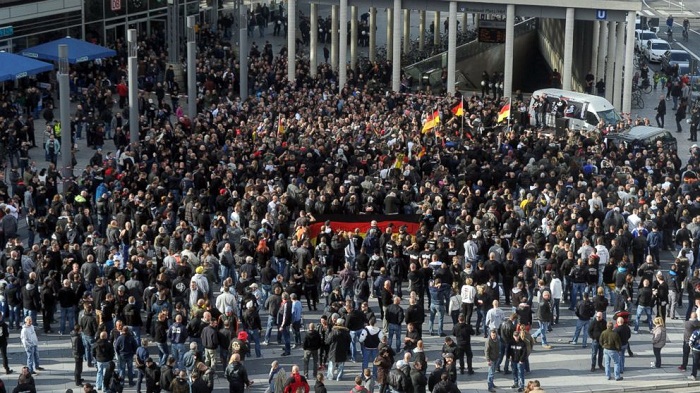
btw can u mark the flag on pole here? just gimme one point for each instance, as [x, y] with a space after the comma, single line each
[458, 110]
[432, 121]
[280, 127]
[504, 113]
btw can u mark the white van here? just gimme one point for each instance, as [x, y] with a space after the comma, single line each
[584, 112]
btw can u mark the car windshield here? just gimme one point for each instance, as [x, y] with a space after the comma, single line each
[648, 36]
[680, 57]
[660, 45]
[609, 116]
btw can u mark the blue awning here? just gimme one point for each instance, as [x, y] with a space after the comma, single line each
[78, 51]
[15, 67]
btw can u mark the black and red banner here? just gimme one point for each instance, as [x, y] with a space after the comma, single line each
[363, 222]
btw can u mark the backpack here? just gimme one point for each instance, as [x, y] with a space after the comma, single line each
[327, 288]
[694, 341]
[588, 310]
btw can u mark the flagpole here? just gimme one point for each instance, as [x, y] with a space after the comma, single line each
[510, 108]
[462, 103]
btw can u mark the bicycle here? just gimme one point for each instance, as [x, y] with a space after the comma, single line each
[685, 34]
[637, 100]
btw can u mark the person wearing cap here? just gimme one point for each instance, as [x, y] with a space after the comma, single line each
[152, 376]
[251, 319]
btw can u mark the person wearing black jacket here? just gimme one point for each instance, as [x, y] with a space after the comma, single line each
[415, 283]
[463, 333]
[88, 328]
[167, 374]
[355, 322]
[251, 319]
[415, 314]
[418, 379]
[394, 317]
[48, 304]
[78, 350]
[152, 373]
[210, 341]
[623, 330]
[31, 300]
[445, 385]
[237, 375]
[160, 337]
[398, 380]
[436, 375]
[518, 356]
[339, 342]
[645, 301]
[68, 300]
[312, 343]
[596, 327]
[103, 352]
[4, 335]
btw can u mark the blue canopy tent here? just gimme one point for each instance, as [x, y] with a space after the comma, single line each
[78, 51]
[15, 67]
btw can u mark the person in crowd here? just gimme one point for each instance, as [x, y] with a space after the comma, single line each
[658, 340]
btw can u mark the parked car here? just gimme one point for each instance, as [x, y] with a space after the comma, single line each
[645, 137]
[673, 58]
[641, 37]
[655, 49]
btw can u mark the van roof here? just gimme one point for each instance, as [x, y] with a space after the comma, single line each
[601, 104]
[643, 132]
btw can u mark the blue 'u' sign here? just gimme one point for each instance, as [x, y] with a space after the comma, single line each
[601, 14]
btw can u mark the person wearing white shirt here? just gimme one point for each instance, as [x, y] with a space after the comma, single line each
[557, 290]
[494, 317]
[30, 342]
[604, 257]
[468, 293]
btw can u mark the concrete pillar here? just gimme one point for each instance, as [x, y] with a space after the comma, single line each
[568, 49]
[372, 34]
[396, 48]
[65, 165]
[629, 58]
[421, 30]
[599, 71]
[390, 33]
[610, 62]
[436, 24]
[191, 67]
[510, 37]
[406, 31]
[452, 48]
[594, 48]
[291, 39]
[343, 45]
[465, 18]
[334, 37]
[619, 64]
[313, 40]
[243, 50]
[354, 27]
[133, 63]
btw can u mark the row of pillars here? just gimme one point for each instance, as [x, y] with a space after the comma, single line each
[398, 21]
[613, 51]
[612, 42]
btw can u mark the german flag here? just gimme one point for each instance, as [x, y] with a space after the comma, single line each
[432, 121]
[364, 222]
[504, 113]
[280, 127]
[458, 110]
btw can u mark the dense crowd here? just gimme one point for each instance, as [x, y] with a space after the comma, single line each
[180, 245]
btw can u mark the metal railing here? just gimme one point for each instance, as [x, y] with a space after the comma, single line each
[434, 65]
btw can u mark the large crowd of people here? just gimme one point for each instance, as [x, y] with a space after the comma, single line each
[161, 259]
